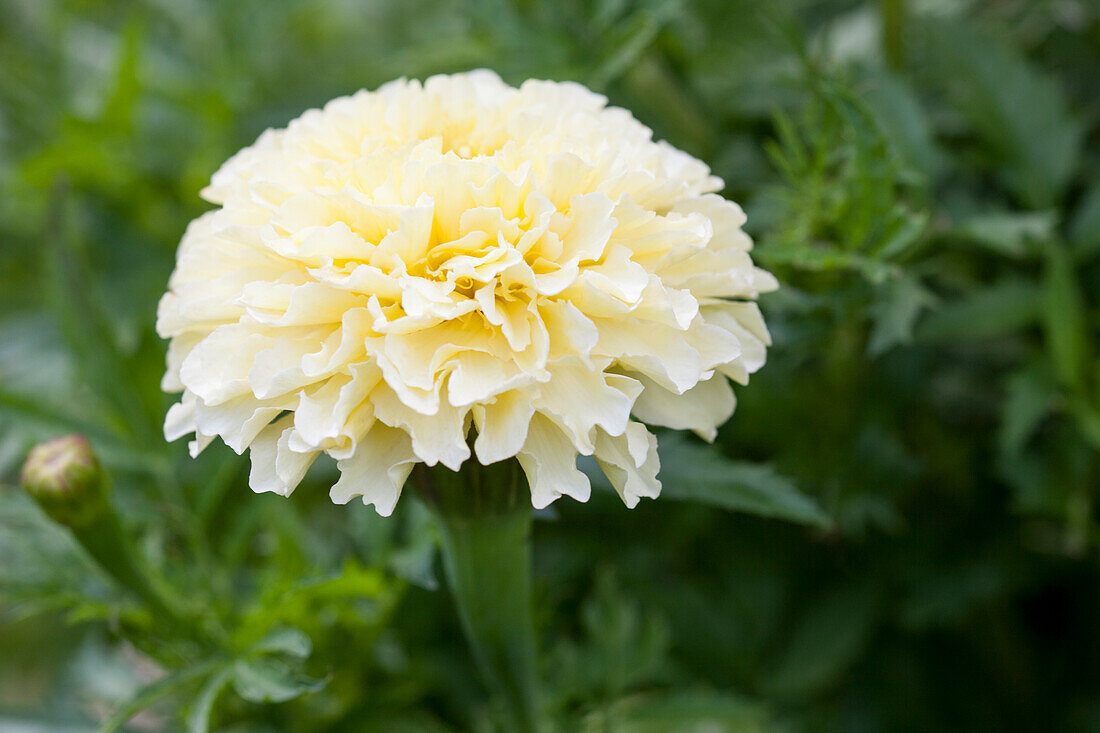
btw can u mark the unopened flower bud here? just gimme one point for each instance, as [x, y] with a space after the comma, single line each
[65, 479]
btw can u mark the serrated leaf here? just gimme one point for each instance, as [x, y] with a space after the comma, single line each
[1020, 113]
[903, 234]
[352, 581]
[997, 310]
[1009, 233]
[623, 647]
[695, 473]
[902, 118]
[1031, 394]
[270, 680]
[824, 260]
[626, 647]
[290, 641]
[633, 37]
[895, 315]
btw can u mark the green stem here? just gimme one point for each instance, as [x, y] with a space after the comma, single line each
[893, 32]
[106, 542]
[485, 521]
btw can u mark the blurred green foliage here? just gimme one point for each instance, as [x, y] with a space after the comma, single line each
[898, 529]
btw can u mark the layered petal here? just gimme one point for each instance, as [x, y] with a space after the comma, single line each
[413, 272]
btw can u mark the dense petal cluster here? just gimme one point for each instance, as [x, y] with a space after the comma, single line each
[410, 267]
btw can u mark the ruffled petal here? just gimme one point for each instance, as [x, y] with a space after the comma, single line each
[630, 463]
[701, 409]
[549, 460]
[403, 264]
[377, 471]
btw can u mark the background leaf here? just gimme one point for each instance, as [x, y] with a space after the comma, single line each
[693, 473]
[268, 680]
[1020, 112]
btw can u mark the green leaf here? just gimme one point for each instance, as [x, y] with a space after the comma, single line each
[823, 259]
[81, 318]
[695, 473]
[1088, 421]
[701, 711]
[162, 689]
[637, 33]
[1021, 114]
[372, 591]
[894, 316]
[1031, 395]
[1064, 317]
[843, 199]
[41, 561]
[997, 310]
[198, 718]
[903, 233]
[40, 394]
[270, 680]
[626, 647]
[948, 595]
[415, 561]
[351, 581]
[826, 639]
[902, 119]
[1009, 233]
[289, 641]
[33, 420]
[1084, 228]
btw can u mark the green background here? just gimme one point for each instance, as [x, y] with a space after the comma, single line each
[896, 531]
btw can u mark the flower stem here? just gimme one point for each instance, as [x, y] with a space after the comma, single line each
[106, 542]
[485, 522]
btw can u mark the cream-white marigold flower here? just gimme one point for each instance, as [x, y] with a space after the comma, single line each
[410, 266]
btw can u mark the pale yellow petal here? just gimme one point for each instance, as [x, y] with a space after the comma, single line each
[701, 409]
[630, 463]
[549, 460]
[377, 471]
[502, 426]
